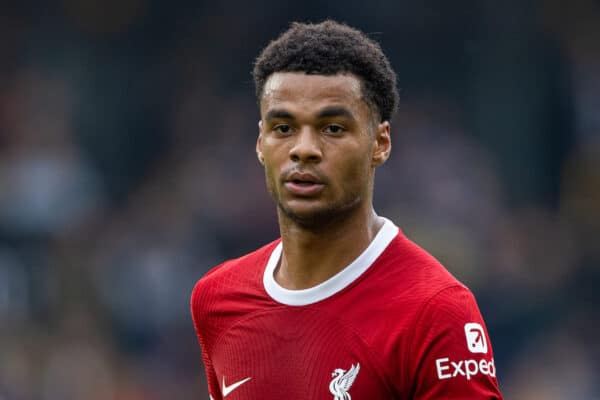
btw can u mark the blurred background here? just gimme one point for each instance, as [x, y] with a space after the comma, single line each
[127, 170]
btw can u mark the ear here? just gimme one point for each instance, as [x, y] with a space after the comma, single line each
[259, 143]
[382, 144]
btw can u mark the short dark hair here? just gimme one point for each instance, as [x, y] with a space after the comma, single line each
[329, 48]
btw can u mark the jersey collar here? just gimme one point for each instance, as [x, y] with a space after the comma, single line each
[334, 284]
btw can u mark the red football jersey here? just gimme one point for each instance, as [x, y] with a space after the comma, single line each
[394, 324]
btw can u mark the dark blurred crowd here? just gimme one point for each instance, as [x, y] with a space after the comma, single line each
[127, 170]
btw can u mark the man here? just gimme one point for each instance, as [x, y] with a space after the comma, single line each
[343, 306]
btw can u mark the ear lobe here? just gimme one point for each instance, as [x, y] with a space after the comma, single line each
[379, 158]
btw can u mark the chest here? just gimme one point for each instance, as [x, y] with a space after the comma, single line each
[297, 354]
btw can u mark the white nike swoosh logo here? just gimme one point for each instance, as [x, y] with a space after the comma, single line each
[233, 386]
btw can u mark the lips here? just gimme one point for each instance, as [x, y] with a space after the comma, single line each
[303, 177]
[303, 184]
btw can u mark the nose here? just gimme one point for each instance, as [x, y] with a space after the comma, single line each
[307, 147]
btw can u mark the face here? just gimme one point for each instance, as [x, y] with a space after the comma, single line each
[319, 146]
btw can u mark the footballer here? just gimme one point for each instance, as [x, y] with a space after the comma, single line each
[343, 306]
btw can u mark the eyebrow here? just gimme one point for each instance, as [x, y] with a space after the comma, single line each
[330, 112]
[327, 112]
[278, 113]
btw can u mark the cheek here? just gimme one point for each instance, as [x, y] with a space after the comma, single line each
[272, 174]
[270, 177]
[355, 172]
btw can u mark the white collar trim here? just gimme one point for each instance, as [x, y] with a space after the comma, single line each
[334, 284]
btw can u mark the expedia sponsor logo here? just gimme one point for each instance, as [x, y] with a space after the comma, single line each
[447, 368]
[476, 343]
[475, 336]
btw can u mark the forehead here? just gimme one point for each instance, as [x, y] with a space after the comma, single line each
[297, 89]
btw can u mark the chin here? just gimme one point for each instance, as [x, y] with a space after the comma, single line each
[317, 217]
[303, 215]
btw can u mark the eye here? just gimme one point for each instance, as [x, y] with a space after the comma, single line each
[282, 128]
[334, 129]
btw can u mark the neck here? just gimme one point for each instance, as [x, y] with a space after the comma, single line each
[311, 256]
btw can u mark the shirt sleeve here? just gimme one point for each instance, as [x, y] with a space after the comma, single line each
[451, 356]
[211, 378]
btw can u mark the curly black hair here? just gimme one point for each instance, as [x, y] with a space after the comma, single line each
[329, 48]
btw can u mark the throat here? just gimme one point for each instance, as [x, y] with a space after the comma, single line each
[307, 261]
[306, 276]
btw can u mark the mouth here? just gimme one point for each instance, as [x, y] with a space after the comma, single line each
[304, 185]
[304, 178]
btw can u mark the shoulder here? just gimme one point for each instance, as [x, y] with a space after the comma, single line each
[451, 307]
[414, 274]
[437, 297]
[406, 283]
[229, 280]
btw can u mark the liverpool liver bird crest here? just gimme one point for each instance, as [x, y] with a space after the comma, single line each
[342, 381]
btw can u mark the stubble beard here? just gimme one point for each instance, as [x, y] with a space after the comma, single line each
[324, 217]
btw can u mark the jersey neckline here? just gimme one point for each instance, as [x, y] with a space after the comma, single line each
[334, 284]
